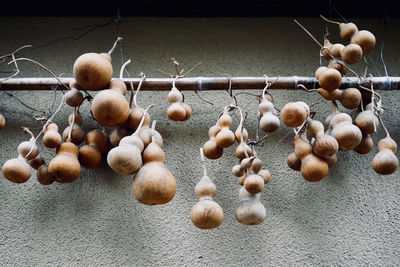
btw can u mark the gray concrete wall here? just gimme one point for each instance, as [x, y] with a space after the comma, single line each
[350, 218]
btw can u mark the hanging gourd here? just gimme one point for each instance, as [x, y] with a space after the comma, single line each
[153, 184]
[206, 214]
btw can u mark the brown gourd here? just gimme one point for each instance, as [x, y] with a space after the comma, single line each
[351, 53]
[339, 66]
[329, 79]
[73, 97]
[365, 39]
[347, 134]
[2, 122]
[210, 148]
[65, 167]
[97, 143]
[206, 214]
[312, 168]
[117, 134]
[250, 210]
[324, 145]
[350, 98]
[347, 30]
[42, 173]
[110, 107]
[94, 71]
[51, 137]
[77, 135]
[293, 162]
[294, 114]
[365, 145]
[153, 184]
[385, 161]
[225, 137]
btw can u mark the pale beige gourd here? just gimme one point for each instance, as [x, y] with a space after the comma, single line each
[269, 122]
[347, 134]
[65, 167]
[312, 168]
[225, 137]
[367, 121]
[242, 145]
[250, 210]
[385, 161]
[206, 214]
[294, 114]
[17, 170]
[51, 137]
[324, 145]
[153, 184]
[97, 143]
[126, 158]
[177, 111]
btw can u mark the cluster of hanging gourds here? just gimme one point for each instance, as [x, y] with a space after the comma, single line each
[135, 148]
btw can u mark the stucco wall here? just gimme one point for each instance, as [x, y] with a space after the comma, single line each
[350, 218]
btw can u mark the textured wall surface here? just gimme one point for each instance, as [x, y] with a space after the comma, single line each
[350, 218]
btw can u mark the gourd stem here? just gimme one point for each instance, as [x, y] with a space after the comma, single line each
[203, 164]
[383, 126]
[241, 132]
[334, 106]
[306, 89]
[143, 117]
[121, 72]
[142, 78]
[153, 132]
[28, 131]
[119, 39]
[72, 124]
[330, 21]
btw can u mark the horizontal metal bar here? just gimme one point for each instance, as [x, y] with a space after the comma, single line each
[209, 83]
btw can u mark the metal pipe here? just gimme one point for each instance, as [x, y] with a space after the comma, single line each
[209, 83]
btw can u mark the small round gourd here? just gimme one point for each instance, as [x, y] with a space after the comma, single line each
[135, 117]
[242, 146]
[73, 98]
[16, 170]
[210, 148]
[294, 114]
[385, 161]
[77, 134]
[51, 137]
[347, 30]
[225, 137]
[97, 143]
[65, 167]
[2, 122]
[367, 121]
[37, 162]
[28, 149]
[330, 79]
[351, 53]
[254, 183]
[176, 111]
[339, 66]
[293, 162]
[347, 134]
[365, 145]
[336, 50]
[43, 176]
[118, 84]
[269, 122]
[110, 108]
[324, 145]
[365, 39]
[117, 134]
